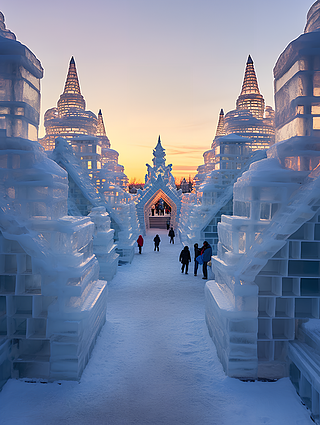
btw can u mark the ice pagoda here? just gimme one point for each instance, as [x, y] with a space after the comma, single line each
[52, 303]
[86, 134]
[159, 186]
[262, 309]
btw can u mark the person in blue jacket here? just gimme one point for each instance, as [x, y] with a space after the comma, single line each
[206, 252]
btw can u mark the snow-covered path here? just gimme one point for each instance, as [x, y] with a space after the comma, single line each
[154, 363]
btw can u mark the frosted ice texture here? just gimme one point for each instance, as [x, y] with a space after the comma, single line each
[52, 303]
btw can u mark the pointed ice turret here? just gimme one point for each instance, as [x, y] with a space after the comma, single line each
[220, 128]
[101, 132]
[71, 96]
[159, 155]
[250, 97]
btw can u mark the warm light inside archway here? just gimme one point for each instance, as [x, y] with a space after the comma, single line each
[153, 200]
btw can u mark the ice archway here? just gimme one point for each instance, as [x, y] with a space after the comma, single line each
[159, 184]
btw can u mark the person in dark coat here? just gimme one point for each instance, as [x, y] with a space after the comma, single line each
[168, 224]
[185, 259]
[206, 252]
[197, 252]
[156, 241]
[140, 243]
[171, 235]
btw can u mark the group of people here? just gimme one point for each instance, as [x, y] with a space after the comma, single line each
[201, 256]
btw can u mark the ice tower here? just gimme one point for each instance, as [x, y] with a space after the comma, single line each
[267, 269]
[201, 211]
[52, 304]
[250, 118]
[69, 118]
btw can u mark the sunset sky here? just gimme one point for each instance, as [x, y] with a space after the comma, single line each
[156, 66]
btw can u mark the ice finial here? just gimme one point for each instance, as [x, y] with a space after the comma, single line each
[3, 31]
[71, 97]
[249, 59]
[101, 131]
[313, 18]
[220, 128]
[250, 97]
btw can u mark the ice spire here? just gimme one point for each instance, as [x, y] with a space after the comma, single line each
[71, 97]
[101, 132]
[250, 97]
[72, 83]
[159, 155]
[220, 128]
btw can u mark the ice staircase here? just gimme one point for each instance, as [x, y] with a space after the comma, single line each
[158, 222]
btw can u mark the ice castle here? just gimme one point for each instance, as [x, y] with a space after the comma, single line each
[86, 134]
[159, 185]
[251, 120]
[262, 309]
[229, 156]
[52, 303]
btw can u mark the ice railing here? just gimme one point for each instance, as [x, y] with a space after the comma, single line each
[285, 222]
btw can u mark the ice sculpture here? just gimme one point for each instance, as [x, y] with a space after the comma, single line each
[103, 243]
[82, 199]
[201, 211]
[52, 304]
[159, 184]
[91, 146]
[267, 270]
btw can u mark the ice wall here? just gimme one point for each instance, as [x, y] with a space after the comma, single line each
[52, 303]
[267, 265]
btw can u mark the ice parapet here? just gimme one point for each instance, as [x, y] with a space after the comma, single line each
[52, 303]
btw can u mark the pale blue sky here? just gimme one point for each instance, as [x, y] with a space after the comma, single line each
[157, 67]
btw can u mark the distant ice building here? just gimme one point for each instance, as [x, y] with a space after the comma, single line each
[87, 135]
[251, 119]
[159, 186]
[201, 211]
[85, 132]
[52, 303]
[259, 308]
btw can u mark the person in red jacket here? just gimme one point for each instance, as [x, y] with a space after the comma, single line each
[140, 243]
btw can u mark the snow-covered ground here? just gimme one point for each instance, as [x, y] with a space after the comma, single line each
[154, 363]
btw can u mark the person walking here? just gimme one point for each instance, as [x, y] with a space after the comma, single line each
[140, 243]
[197, 252]
[171, 235]
[206, 252]
[185, 259]
[156, 241]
